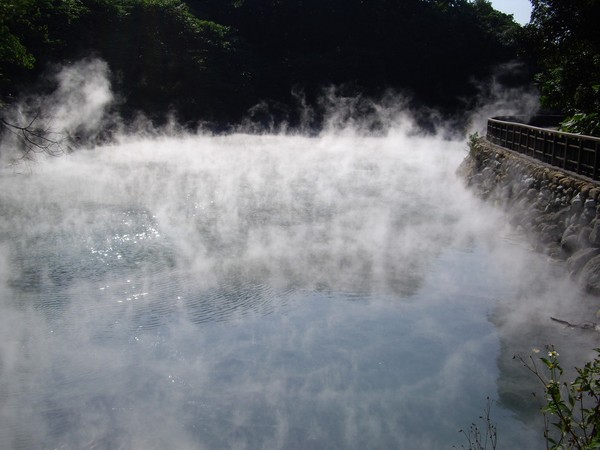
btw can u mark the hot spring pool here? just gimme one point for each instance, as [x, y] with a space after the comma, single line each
[265, 292]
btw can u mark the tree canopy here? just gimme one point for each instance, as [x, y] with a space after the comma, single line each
[564, 38]
[212, 60]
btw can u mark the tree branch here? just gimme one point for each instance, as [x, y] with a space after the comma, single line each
[34, 139]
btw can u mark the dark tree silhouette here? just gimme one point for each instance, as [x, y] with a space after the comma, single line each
[214, 60]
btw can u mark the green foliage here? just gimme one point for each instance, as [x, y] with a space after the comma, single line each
[431, 49]
[581, 123]
[13, 51]
[473, 140]
[495, 23]
[12, 48]
[170, 60]
[474, 143]
[214, 59]
[572, 410]
[163, 57]
[564, 38]
[30, 30]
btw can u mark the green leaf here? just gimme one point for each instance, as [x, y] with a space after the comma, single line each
[546, 361]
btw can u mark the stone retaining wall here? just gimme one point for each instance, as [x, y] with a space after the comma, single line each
[560, 211]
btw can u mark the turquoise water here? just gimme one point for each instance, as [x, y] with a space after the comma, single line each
[264, 292]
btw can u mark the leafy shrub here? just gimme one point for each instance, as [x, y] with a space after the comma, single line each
[572, 410]
[581, 123]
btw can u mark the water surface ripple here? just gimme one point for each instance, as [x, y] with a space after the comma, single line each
[259, 292]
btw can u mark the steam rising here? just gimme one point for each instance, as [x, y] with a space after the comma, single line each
[76, 109]
[496, 100]
[258, 291]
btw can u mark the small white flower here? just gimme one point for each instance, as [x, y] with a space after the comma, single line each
[553, 354]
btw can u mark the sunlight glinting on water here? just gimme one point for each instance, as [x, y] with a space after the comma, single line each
[254, 292]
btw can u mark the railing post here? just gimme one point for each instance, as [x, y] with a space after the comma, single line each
[566, 152]
[532, 148]
[579, 154]
[595, 172]
[513, 131]
[552, 160]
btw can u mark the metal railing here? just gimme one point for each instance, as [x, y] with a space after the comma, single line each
[568, 151]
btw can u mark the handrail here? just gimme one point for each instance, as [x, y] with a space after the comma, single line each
[573, 152]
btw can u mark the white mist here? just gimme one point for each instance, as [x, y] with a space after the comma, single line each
[262, 291]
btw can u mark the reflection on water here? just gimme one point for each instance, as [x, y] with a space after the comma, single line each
[252, 292]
